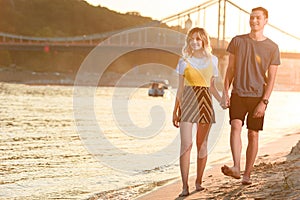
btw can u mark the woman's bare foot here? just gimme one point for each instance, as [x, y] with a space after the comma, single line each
[185, 192]
[231, 171]
[199, 187]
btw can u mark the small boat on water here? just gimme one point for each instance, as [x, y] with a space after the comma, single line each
[157, 88]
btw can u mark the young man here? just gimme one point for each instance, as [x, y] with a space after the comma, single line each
[251, 57]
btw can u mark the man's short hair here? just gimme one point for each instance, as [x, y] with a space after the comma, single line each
[265, 11]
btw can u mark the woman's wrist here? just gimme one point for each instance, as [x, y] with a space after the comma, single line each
[225, 92]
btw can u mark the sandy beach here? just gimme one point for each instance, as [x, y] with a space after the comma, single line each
[275, 176]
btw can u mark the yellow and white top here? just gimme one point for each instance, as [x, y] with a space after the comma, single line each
[198, 71]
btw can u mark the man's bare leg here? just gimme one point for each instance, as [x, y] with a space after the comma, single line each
[236, 148]
[251, 154]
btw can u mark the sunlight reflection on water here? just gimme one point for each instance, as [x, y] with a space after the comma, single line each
[42, 155]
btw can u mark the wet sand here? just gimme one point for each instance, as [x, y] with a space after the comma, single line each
[276, 175]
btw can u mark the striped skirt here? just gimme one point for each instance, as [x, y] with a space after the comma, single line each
[196, 105]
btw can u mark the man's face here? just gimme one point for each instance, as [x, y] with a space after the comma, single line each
[257, 20]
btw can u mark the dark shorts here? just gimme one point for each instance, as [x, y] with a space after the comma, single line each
[240, 107]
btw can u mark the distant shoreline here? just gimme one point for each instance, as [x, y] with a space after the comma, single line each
[68, 79]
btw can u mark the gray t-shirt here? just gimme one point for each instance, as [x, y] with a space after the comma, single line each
[252, 60]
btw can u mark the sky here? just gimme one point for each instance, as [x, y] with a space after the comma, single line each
[284, 14]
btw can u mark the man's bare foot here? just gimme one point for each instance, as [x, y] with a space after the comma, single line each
[246, 181]
[231, 171]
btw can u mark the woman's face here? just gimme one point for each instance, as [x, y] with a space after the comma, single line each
[195, 42]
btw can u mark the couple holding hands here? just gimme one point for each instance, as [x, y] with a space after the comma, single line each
[252, 66]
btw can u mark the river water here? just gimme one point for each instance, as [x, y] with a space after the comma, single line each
[48, 150]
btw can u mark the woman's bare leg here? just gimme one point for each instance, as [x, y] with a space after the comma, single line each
[202, 136]
[185, 151]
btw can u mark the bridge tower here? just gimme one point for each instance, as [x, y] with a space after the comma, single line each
[221, 24]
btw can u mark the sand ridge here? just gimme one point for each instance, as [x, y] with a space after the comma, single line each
[276, 175]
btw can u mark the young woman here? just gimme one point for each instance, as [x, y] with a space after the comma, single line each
[197, 70]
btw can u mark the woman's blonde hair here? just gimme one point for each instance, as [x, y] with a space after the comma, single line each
[187, 50]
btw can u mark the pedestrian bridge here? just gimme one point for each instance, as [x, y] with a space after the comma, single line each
[214, 15]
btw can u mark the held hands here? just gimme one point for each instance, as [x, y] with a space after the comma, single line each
[225, 101]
